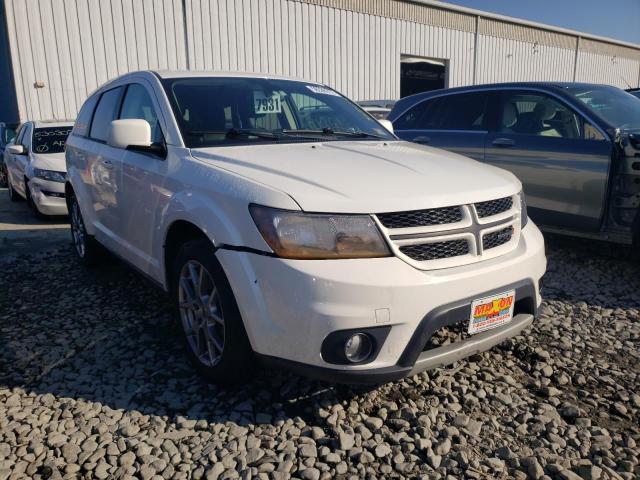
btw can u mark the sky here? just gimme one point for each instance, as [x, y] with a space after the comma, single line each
[618, 19]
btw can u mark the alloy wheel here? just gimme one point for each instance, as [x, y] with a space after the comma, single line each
[77, 229]
[201, 313]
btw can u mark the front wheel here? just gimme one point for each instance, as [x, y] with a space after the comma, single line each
[208, 315]
[86, 247]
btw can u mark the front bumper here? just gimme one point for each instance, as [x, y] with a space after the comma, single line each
[289, 307]
[48, 196]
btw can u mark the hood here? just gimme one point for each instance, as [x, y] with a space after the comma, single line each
[364, 176]
[49, 161]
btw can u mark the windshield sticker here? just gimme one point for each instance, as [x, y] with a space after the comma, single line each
[322, 90]
[263, 104]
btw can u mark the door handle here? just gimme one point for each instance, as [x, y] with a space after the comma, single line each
[422, 139]
[504, 142]
[108, 164]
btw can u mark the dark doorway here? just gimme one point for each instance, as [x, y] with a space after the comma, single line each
[421, 75]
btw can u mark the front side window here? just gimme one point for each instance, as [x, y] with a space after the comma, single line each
[138, 104]
[215, 111]
[530, 113]
[106, 112]
[50, 139]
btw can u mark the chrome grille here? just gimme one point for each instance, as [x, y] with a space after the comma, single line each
[497, 238]
[436, 250]
[421, 218]
[493, 207]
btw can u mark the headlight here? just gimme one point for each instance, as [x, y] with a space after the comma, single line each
[49, 175]
[523, 210]
[300, 235]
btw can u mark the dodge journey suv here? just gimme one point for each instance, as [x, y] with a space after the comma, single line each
[291, 227]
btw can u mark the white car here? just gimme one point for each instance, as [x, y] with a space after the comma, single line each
[36, 166]
[291, 227]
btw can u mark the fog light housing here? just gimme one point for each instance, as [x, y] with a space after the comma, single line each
[358, 347]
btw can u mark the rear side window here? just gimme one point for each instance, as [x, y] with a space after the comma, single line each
[465, 111]
[138, 104]
[106, 112]
[83, 120]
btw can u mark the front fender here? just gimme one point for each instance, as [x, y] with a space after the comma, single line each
[225, 221]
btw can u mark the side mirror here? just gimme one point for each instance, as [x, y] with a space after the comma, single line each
[134, 132]
[16, 149]
[386, 124]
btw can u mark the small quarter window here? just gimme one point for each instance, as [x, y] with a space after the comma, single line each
[138, 104]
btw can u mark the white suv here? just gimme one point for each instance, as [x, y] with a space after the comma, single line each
[291, 227]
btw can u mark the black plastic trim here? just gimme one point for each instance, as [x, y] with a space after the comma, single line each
[238, 248]
[333, 375]
[332, 350]
[459, 311]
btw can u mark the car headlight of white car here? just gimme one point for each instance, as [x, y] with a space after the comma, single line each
[298, 235]
[50, 175]
[523, 210]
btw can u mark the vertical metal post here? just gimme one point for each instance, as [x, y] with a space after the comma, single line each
[575, 61]
[185, 24]
[475, 51]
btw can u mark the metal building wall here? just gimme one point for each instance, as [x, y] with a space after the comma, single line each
[73, 46]
[356, 53]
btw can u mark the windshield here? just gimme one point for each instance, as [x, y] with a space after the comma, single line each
[50, 139]
[616, 107]
[215, 111]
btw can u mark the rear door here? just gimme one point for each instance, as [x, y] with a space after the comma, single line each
[560, 157]
[105, 165]
[456, 122]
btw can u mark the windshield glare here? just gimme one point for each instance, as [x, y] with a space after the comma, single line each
[215, 111]
[616, 107]
[50, 139]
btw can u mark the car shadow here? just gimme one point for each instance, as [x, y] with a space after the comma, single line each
[106, 335]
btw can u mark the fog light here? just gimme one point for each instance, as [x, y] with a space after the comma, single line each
[358, 347]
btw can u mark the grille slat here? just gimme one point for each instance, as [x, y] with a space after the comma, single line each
[421, 218]
[497, 238]
[436, 250]
[494, 207]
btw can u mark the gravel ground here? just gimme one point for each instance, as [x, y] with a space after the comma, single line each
[94, 385]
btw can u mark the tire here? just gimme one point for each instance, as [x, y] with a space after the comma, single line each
[87, 249]
[208, 316]
[31, 203]
[13, 195]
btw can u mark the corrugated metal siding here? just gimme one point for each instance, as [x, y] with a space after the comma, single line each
[505, 60]
[340, 47]
[73, 46]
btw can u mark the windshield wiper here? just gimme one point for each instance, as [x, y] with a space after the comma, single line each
[330, 132]
[238, 132]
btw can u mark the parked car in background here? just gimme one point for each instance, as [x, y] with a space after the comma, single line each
[7, 132]
[379, 113]
[290, 226]
[573, 146]
[36, 166]
[635, 92]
